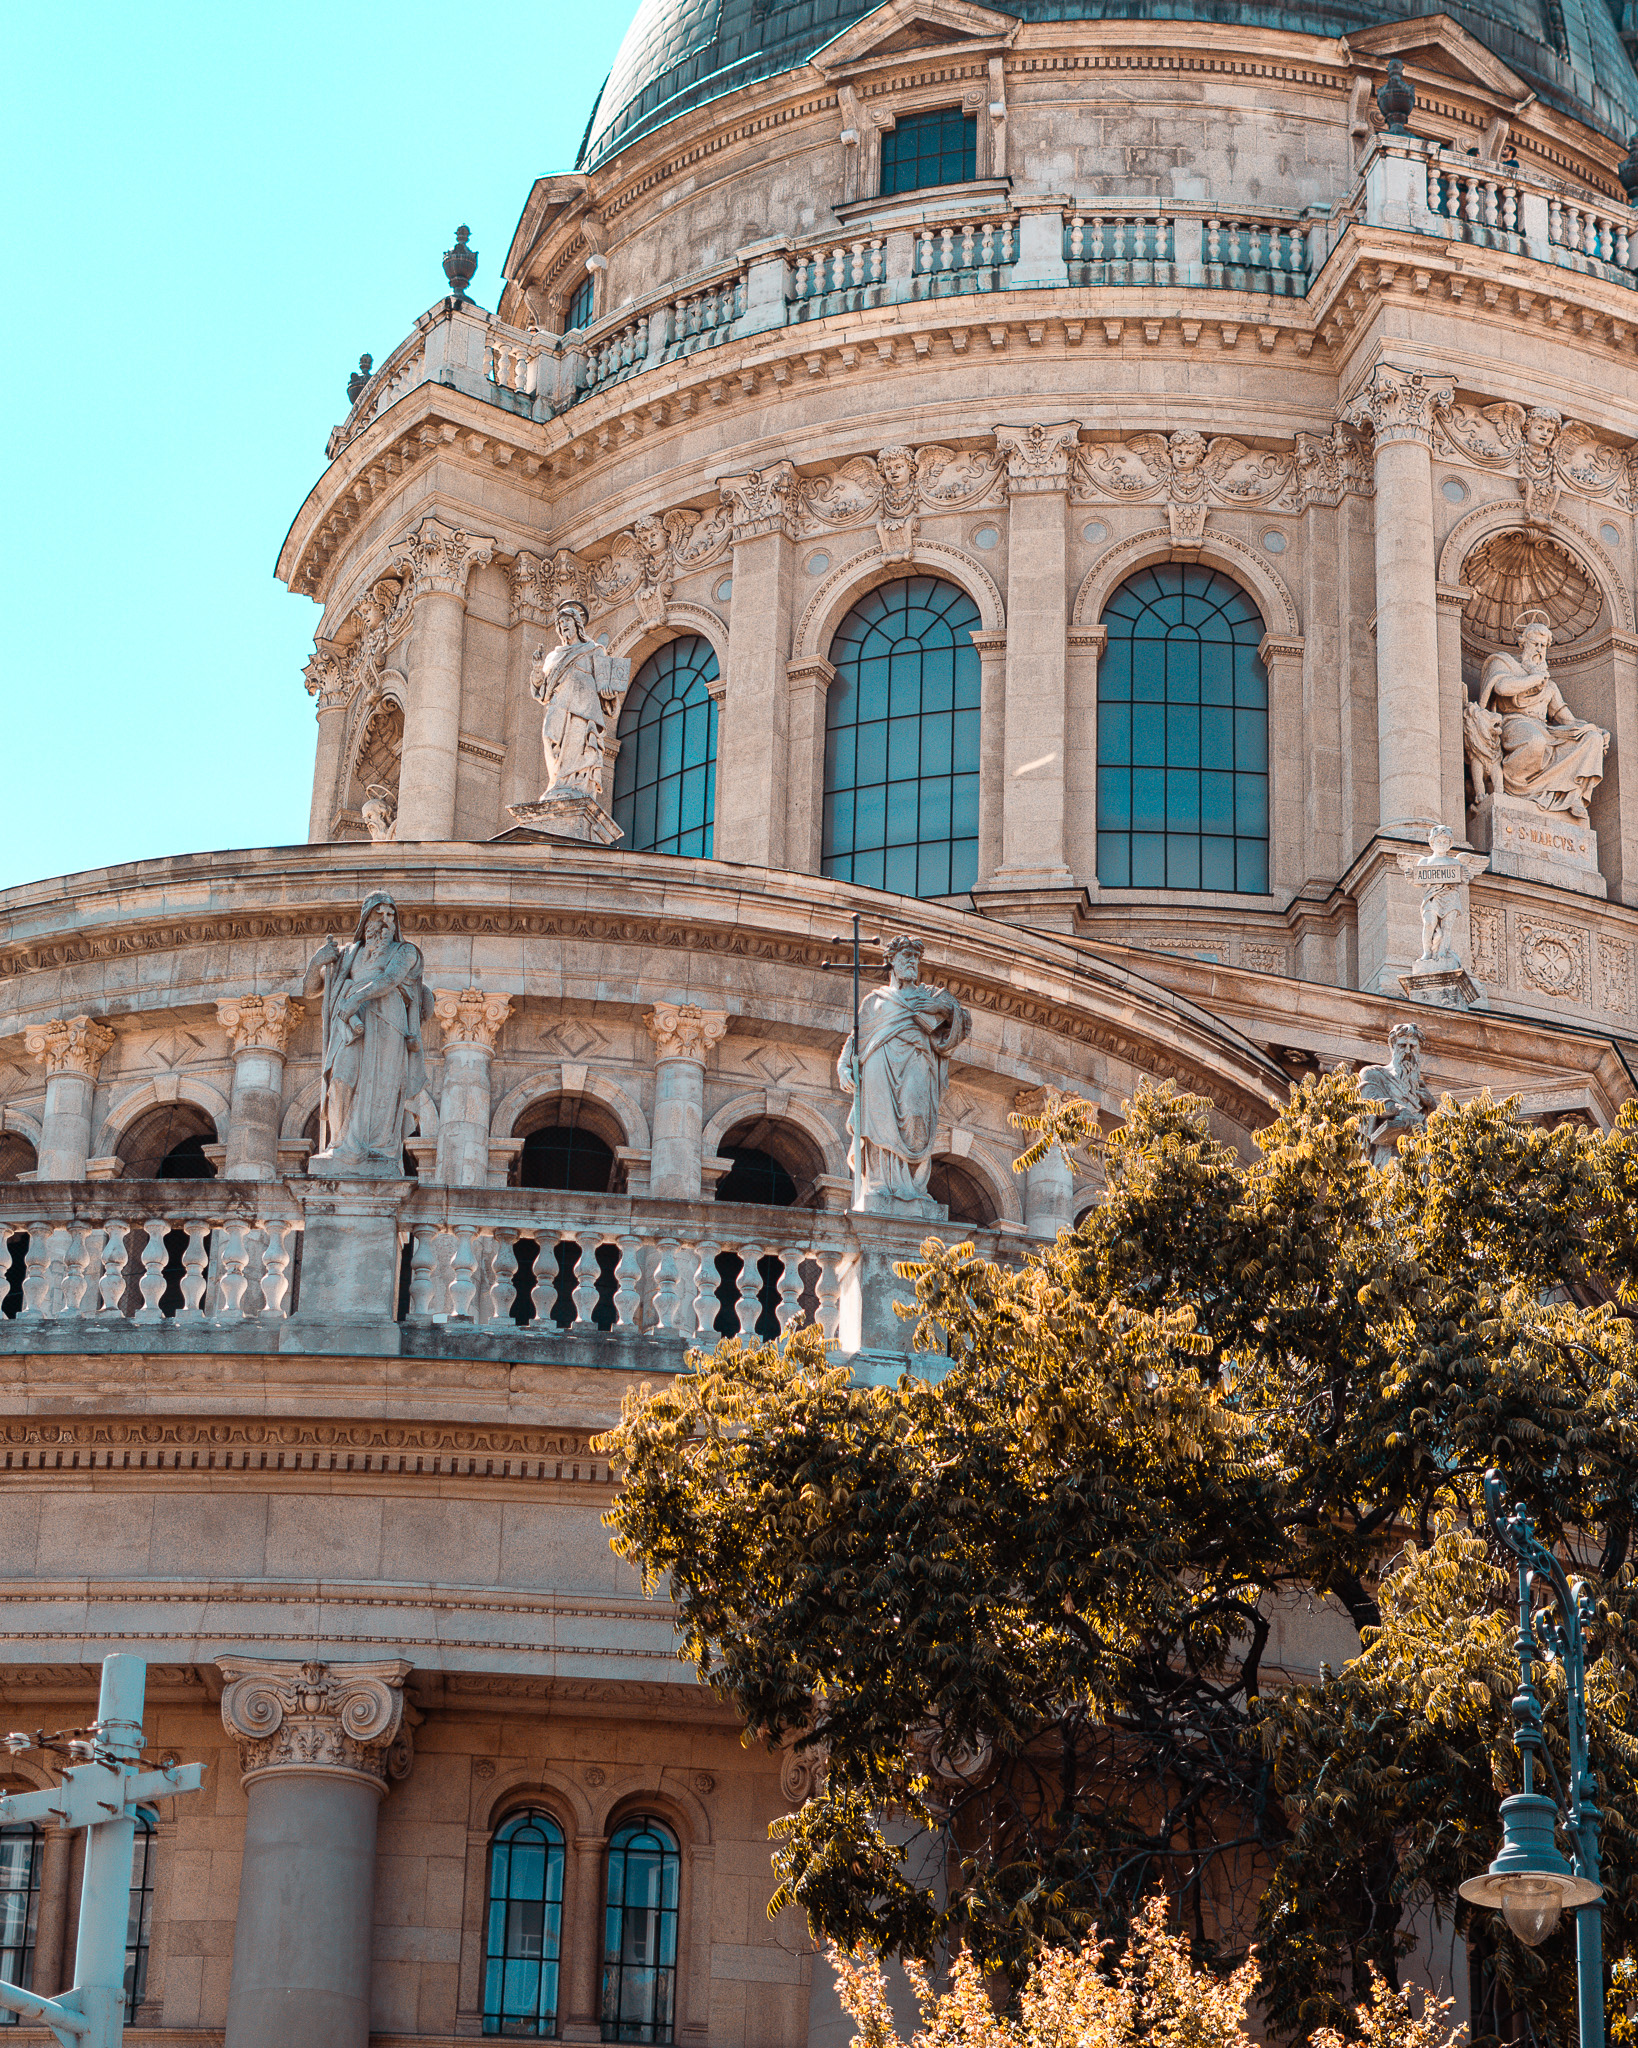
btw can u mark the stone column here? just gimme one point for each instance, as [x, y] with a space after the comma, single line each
[327, 686]
[471, 1023]
[1086, 645]
[992, 745]
[1400, 405]
[1288, 761]
[583, 1986]
[683, 1035]
[524, 775]
[317, 1746]
[752, 733]
[1032, 803]
[810, 677]
[71, 1050]
[1049, 1186]
[438, 560]
[258, 1029]
[56, 1855]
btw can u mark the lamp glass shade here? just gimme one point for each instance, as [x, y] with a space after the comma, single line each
[1531, 1907]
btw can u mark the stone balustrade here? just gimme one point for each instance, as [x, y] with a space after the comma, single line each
[87, 1261]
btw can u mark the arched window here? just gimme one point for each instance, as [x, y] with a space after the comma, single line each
[139, 1921]
[19, 1906]
[640, 1933]
[17, 1155]
[901, 741]
[665, 773]
[524, 1940]
[962, 1193]
[1182, 735]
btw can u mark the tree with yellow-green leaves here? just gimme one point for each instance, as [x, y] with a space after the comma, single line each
[1023, 1612]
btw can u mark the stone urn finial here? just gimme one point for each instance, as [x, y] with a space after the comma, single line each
[460, 265]
[1396, 99]
[1627, 171]
[357, 381]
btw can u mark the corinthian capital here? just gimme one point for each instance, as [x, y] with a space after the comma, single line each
[1399, 405]
[469, 1017]
[1038, 457]
[317, 1717]
[326, 681]
[70, 1045]
[258, 1023]
[762, 501]
[681, 1031]
[440, 557]
[531, 589]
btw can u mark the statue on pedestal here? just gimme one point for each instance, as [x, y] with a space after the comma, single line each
[1440, 975]
[580, 684]
[373, 1064]
[907, 1032]
[1404, 1097]
[1547, 755]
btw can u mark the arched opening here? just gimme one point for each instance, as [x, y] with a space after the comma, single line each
[378, 762]
[665, 773]
[775, 1166]
[567, 1157]
[1182, 735]
[901, 741]
[140, 1915]
[568, 1146]
[640, 1932]
[523, 1942]
[963, 1193]
[168, 1143]
[17, 1156]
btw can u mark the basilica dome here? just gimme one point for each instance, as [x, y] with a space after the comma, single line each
[680, 54]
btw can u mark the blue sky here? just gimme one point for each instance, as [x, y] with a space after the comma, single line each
[214, 210]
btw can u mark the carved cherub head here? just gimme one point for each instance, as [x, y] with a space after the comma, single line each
[1440, 840]
[1542, 428]
[897, 465]
[650, 535]
[1187, 451]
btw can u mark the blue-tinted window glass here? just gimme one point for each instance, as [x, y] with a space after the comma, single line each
[665, 774]
[581, 300]
[19, 1906]
[901, 766]
[140, 1913]
[640, 1933]
[1182, 735]
[524, 1937]
[936, 148]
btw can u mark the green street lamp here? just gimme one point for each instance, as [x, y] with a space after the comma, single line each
[1530, 1883]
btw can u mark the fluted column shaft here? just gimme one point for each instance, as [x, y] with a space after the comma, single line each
[683, 1037]
[71, 1050]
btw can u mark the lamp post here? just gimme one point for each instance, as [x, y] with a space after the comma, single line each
[1530, 1882]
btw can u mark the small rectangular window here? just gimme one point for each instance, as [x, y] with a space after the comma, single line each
[580, 304]
[935, 148]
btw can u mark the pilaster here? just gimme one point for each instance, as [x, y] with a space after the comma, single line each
[753, 732]
[809, 677]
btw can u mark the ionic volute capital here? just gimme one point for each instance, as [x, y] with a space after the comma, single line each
[1400, 405]
[436, 557]
[469, 1017]
[70, 1045]
[259, 1023]
[682, 1031]
[318, 1717]
[1038, 457]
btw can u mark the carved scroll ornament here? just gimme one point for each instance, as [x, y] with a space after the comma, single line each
[1189, 471]
[1546, 452]
[70, 1045]
[304, 1717]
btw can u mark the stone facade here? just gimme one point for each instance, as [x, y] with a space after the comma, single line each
[320, 1447]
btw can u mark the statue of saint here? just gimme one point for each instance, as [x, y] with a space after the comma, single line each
[374, 1001]
[1548, 755]
[580, 684]
[1404, 1097]
[907, 1032]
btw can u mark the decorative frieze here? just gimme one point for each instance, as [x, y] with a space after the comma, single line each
[304, 1717]
[259, 1023]
[683, 1031]
[70, 1045]
[1038, 458]
[468, 1016]
[1188, 471]
[1546, 453]
[436, 557]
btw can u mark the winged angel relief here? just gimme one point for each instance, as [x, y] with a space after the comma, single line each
[643, 563]
[894, 488]
[1193, 474]
[1547, 452]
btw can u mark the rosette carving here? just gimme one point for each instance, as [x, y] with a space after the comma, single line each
[342, 1717]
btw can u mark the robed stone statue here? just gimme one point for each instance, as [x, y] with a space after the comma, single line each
[580, 683]
[1522, 738]
[373, 1063]
[1400, 1099]
[907, 1032]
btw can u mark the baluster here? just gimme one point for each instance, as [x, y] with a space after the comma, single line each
[58, 1247]
[1214, 231]
[79, 1279]
[706, 1282]
[231, 1277]
[789, 1309]
[275, 1275]
[855, 271]
[667, 1292]
[946, 249]
[1623, 245]
[830, 1294]
[878, 259]
[1100, 239]
[500, 1277]
[1164, 251]
[43, 1253]
[463, 1279]
[1277, 248]
[1510, 208]
[585, 1285]
[111, 1280]
[1077, 236]
[195, 1252]
[986, 245]
[1555, 219]
[628, 1291]
[423, 1270]
[749, 1304]
[153, 1270]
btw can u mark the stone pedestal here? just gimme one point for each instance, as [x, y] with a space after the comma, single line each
[1447, 986]
[317, 1745]
[258, 1029]
[683, 1036]
[349, 1258]
[568, 814]
[1537, 845]
[471, 1023]
[72, 1051]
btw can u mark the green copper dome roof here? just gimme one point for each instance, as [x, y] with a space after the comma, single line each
[679, 54]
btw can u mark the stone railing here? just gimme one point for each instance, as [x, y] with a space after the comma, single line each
[79, 1258]
[1427, 190]
[1189, 245]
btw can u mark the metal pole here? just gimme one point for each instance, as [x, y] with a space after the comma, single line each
[105, 1897]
